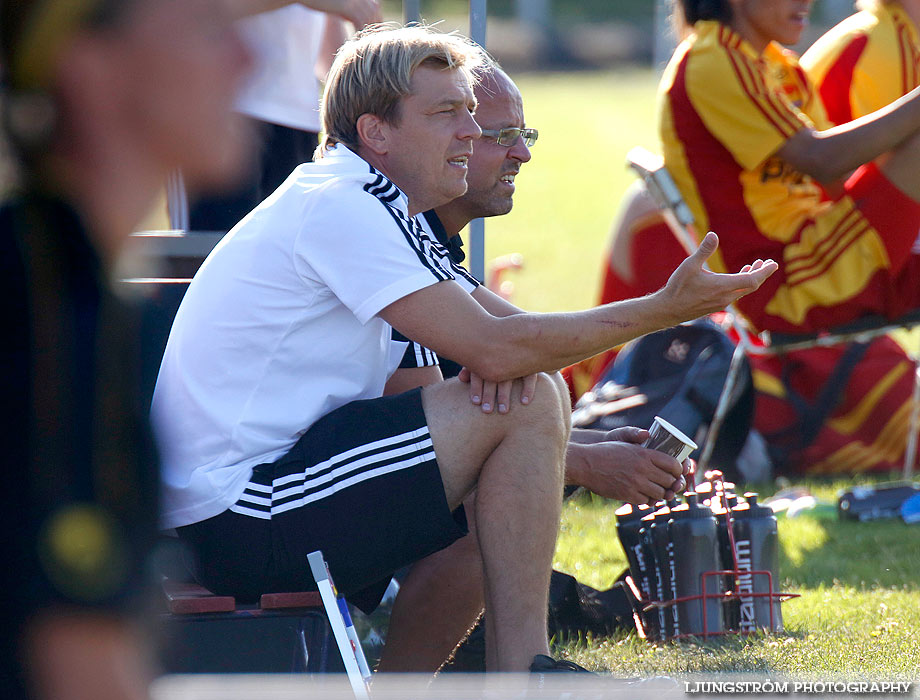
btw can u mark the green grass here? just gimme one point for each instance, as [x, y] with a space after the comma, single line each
[858, 613]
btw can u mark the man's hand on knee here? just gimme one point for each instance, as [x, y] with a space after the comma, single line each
[492, 396]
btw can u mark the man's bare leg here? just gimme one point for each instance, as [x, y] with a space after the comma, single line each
[439, 602]
[516, 462]
[447, 587]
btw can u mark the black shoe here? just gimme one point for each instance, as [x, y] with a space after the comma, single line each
[547, 664]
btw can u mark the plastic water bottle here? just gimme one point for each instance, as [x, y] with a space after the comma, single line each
[726, 560]
[629, 523]
[695, 546]
[756, 547]
[664, 566]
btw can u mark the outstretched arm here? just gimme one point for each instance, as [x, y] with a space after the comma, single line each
[444, 318]
[358, 12]
[833, 153]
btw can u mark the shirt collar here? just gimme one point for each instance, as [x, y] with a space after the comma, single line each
[376, 182]
[454, 244]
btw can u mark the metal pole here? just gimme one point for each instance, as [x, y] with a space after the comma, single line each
[477, 228]
[665, 40]
[412, 10]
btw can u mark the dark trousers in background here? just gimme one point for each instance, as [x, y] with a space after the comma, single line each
[281, 149]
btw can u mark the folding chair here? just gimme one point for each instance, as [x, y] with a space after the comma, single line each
[650, 168]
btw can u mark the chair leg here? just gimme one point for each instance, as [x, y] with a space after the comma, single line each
[910, 453]
[731, 380]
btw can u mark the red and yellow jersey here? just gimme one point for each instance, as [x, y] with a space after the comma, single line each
[866, 62]
[725, 111]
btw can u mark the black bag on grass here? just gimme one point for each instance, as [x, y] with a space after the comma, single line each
[678, 374]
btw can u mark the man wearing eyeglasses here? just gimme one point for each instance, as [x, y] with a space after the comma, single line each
[277, 440]
[447, 585]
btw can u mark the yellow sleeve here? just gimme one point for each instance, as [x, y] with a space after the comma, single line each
[878, 77]
[730, 92]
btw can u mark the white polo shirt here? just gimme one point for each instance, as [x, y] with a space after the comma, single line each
[280, 327]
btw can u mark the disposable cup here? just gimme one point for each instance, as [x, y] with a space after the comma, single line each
[664, 437]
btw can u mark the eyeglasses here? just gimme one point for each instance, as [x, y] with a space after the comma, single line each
[509, 135]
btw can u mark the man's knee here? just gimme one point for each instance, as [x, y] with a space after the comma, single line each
[564, 396]
[551, 398]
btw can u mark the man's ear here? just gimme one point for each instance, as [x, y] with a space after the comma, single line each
[373, 133]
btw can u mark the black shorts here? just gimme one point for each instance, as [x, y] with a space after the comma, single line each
[362, 485]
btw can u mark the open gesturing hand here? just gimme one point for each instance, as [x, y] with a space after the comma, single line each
[693, 290]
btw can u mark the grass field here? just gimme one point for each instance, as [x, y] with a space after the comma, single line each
[857, 616]
[859, 610]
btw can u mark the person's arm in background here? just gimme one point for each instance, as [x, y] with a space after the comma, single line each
[833, 153]
[334, 35]
[359, 12]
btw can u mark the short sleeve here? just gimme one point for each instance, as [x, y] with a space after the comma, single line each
[407, 353]
[366, 251]
[751, 119]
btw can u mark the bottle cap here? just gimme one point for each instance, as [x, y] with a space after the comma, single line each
[629, 513]
[692, 508]
[752, 509]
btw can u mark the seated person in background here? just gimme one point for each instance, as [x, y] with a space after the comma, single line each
[868, 60]
[747, 141]
[277, 439]
[448, 585]
[746, 137]
[863, 64]
[95, 107]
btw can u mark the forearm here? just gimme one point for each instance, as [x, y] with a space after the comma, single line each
[245, 8]
[577, 466]
[833, 153]
[341, 8]
[444, 318]
[528, 343]
[334, 35]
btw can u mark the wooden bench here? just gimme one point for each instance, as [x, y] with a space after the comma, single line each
[285, 632]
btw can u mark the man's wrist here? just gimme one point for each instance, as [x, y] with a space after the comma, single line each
[576, 464]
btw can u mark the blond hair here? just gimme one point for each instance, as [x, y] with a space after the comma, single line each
[373, 71]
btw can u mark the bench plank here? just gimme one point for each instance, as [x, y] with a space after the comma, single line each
[191, 599]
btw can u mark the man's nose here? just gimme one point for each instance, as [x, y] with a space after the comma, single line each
[469, 129]
[519, 151]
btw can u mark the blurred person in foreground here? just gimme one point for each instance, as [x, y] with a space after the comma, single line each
[448, 584]
[96, 108]
[278, 439]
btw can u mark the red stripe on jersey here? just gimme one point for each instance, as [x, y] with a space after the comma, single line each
[752, 82]
[717, 178]
[909, 60]
[835, 88]
[812, 257]
[845, 238]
